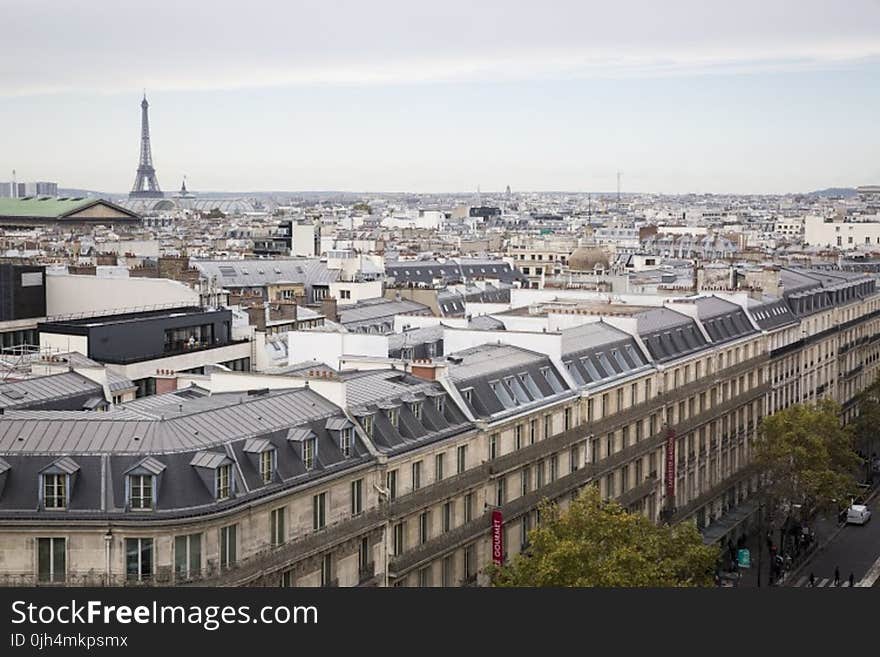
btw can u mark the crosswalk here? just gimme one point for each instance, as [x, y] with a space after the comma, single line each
[804, 581]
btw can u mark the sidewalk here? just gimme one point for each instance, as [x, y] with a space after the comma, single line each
[824, 527]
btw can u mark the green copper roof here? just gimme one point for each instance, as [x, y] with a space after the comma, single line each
[45, 206]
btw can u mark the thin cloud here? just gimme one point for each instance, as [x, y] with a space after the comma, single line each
[505, 67]
[211, 46]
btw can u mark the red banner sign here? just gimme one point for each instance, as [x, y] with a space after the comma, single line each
[497, 538]
[670, 466]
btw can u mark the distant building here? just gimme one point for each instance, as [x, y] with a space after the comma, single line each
[306, 239]
[45, 211]
[24, 189]
[870, 195]
[278, 243]
[843, 235]
[486, 212]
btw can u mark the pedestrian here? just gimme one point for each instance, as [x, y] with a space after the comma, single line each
[852, 580]
[836, 576]
[812, 580]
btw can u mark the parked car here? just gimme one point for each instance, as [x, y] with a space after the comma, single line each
[858, 514]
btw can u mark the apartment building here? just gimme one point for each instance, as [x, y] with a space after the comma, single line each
[392, 477]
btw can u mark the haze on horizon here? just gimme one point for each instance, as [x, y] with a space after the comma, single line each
[749, 97]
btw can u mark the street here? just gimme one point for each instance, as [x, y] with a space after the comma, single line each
[856, 550]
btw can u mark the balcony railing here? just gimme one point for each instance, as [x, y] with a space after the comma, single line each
[86, 579]
[366, 574]
[718, 489]
[638, 492]
[285, 555]
[138, 358]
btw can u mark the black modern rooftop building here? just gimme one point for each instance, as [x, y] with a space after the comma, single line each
[146, 335]
[22, 303]
[137, 344]
[22, 291]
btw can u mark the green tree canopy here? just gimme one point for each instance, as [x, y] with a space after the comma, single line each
[598, 543]
[866, 426]
[806, 457]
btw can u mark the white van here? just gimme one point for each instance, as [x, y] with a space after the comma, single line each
[858, 514]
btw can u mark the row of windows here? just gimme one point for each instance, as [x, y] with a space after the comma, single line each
[392, 477]
[139, 556]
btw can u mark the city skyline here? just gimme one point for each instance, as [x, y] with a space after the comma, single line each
[754, 99]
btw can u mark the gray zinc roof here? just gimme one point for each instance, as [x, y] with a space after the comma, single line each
[121, 431]
[598, 352]
[257, 273]
[67, 390]
[669, 334]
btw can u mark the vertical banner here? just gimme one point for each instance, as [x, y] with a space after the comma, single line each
[497, 537]
[670, 468]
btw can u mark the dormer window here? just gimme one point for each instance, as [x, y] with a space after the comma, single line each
[393, 416]
[56, 482]
[55, 491]
[309, 450]
[267, 465]
[142, 484]
[263, 456]
[367, 423]
[440, 404]
[416, 408]
[345, 440]
[223, 482]
[140, 492]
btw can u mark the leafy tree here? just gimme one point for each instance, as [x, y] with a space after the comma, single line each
[805, 457]
[597, 543]
[867, 425]
[362, 207]
[215, 213]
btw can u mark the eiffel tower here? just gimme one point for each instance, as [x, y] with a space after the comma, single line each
[145, 183]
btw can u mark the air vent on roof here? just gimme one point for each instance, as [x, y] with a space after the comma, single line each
[258, 392]
[14, 394]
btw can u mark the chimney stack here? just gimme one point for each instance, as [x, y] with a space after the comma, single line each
[328, 309]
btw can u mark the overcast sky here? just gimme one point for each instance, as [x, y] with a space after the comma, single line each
[701, 96]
